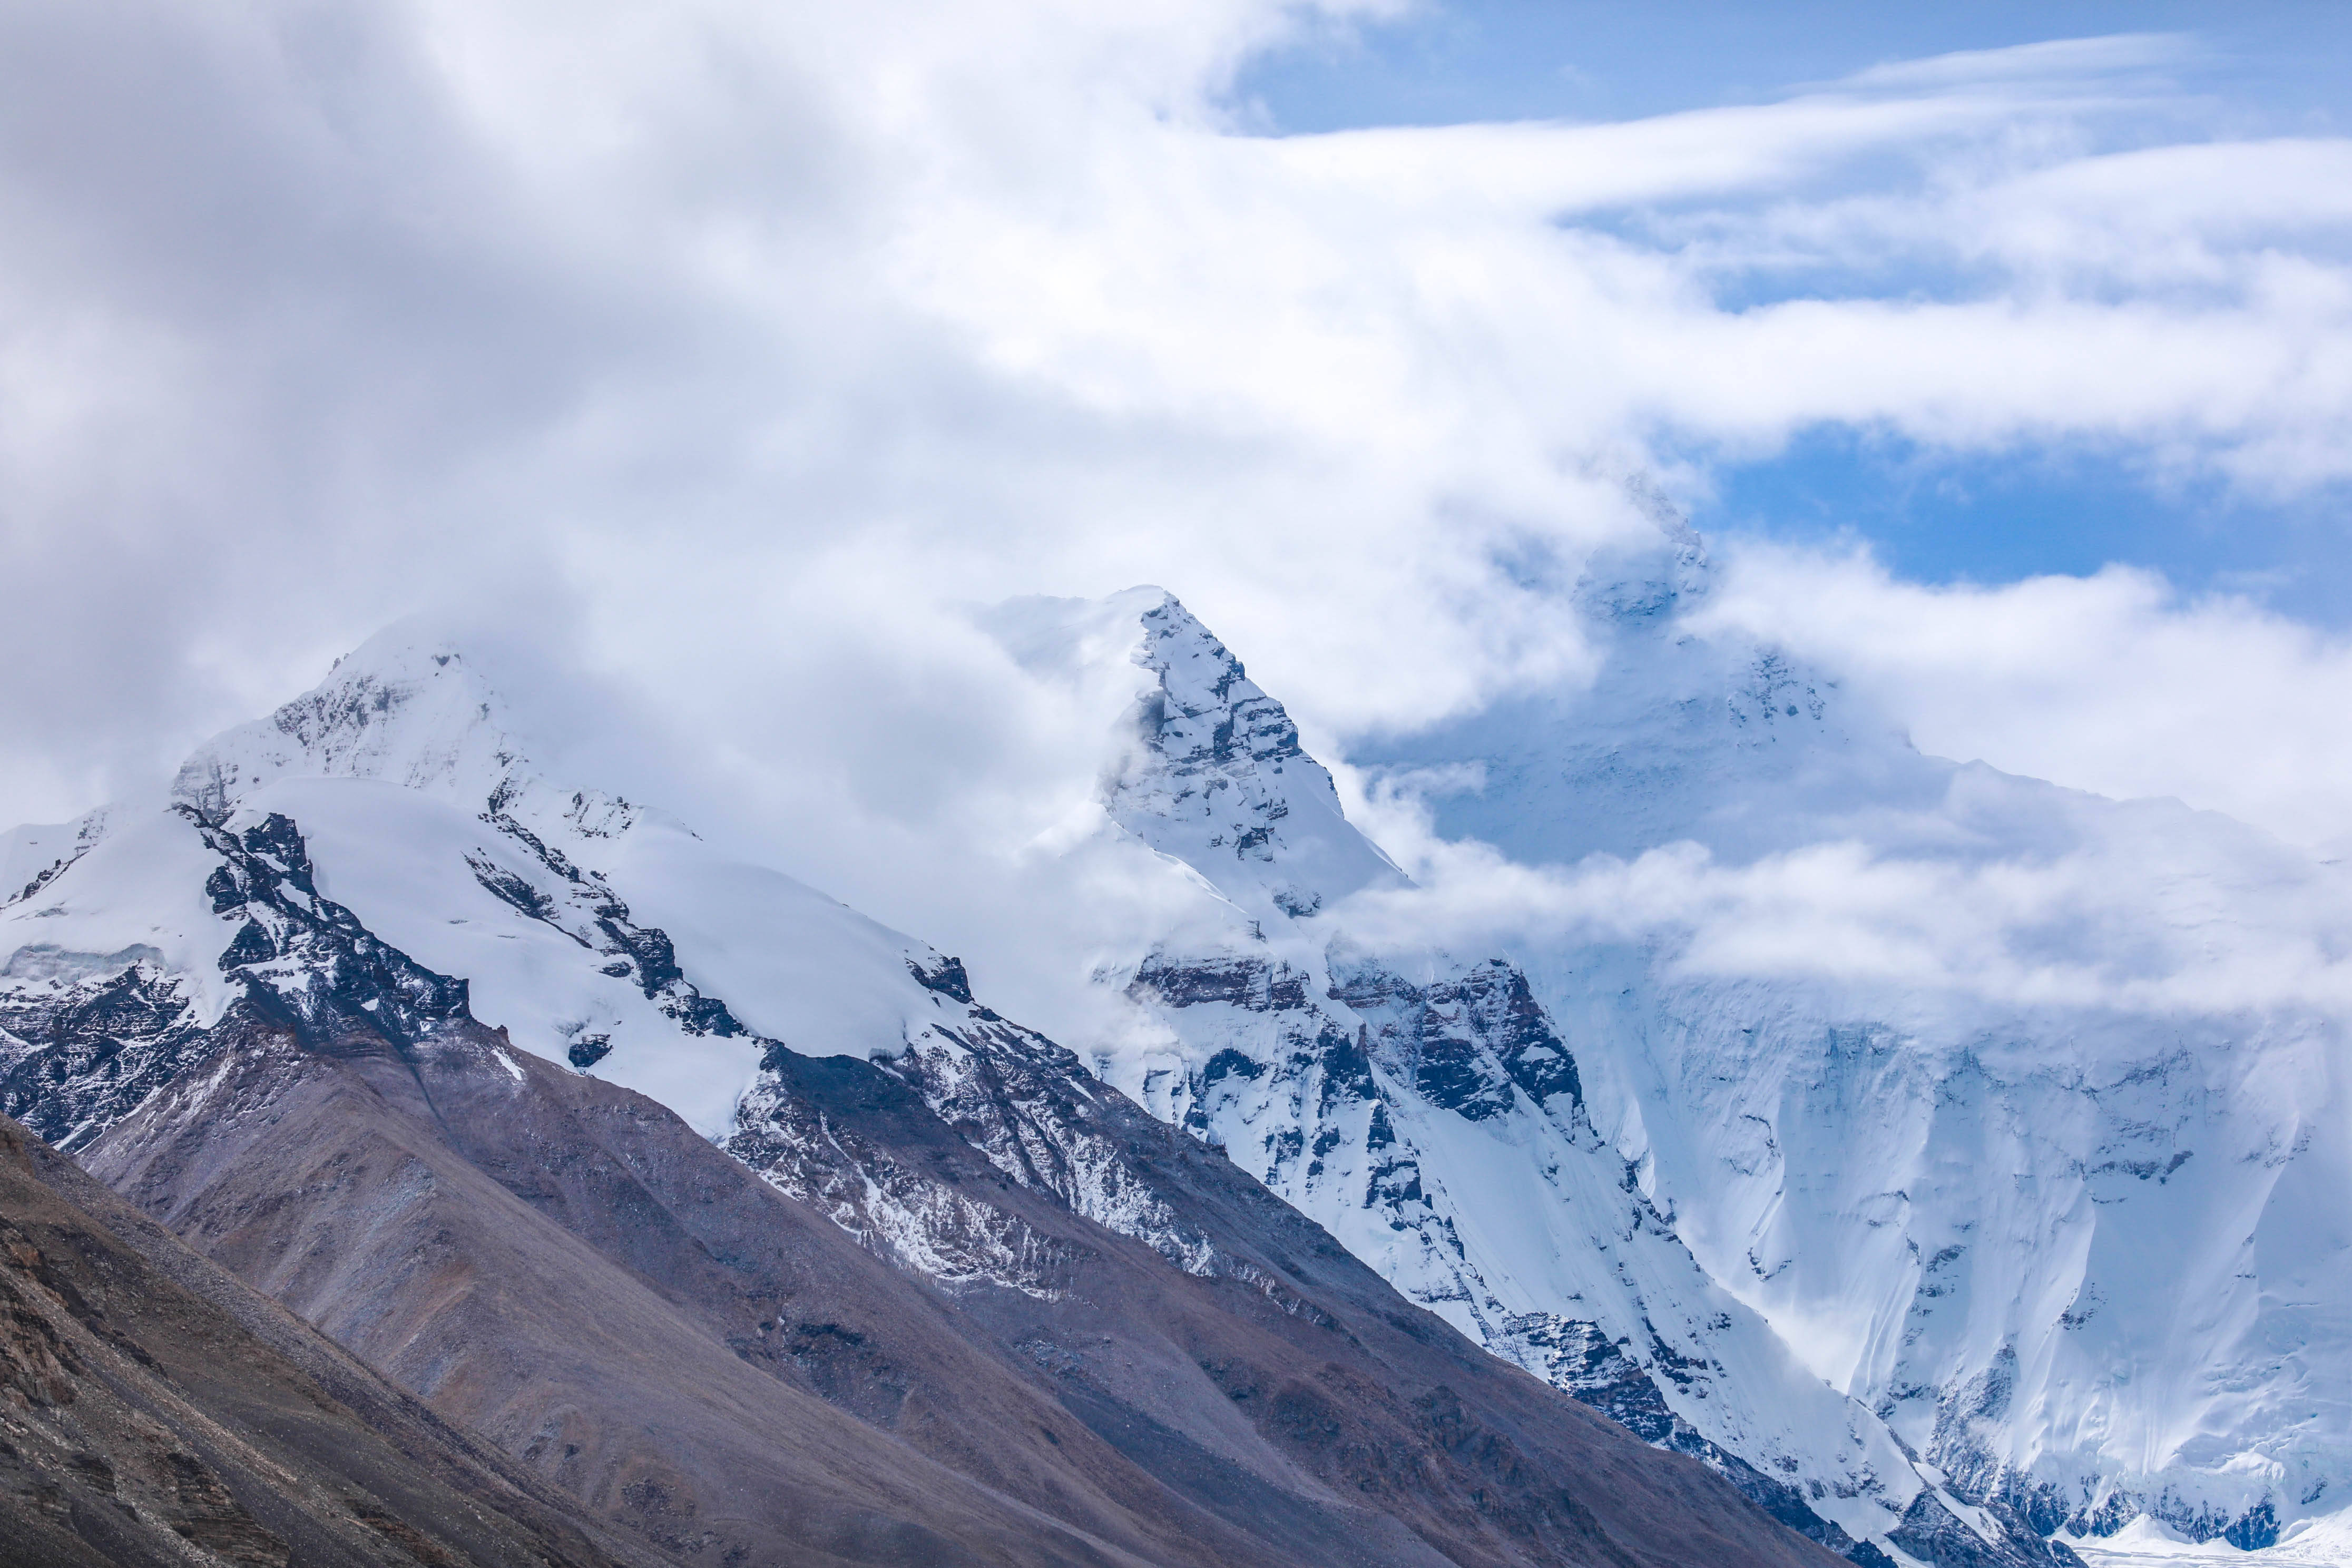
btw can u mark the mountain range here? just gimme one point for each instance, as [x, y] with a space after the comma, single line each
[687, 1215]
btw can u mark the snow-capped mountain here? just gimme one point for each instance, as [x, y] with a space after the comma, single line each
[1947, 1159]
[1423, 1108]
[417, 805]
[403, 1034]
[1909, 1255]
[394, 808]
[2042, 1157]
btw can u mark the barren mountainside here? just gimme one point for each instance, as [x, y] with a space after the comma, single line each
[157, 1410]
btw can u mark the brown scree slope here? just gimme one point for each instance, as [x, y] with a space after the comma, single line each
[565, 1269]
[155, 1410]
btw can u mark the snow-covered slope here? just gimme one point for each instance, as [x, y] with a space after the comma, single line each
[31, 855]
[2148, 1543]
[597, 932]
[2041, 1199]
[2031, 1135]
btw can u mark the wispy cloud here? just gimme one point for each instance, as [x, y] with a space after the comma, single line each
[2036, 901]
[2114, 683]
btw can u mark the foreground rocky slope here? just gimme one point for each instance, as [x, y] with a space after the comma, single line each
[155, 1410]
[349, 1016]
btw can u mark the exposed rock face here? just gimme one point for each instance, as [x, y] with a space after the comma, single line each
[155, 1410]
[306, 959]
[92, 1036]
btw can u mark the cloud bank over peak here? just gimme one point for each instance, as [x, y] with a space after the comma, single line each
[723, 348]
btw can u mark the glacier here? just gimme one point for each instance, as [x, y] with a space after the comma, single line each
[2060, 1194]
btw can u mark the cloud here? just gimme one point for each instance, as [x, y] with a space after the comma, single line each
[2114, 683]
[2058, 63]
[2039, 901]
[723, 348]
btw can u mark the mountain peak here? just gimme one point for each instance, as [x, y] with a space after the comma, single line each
[1208, 709]
[1201, 764]
[408, 707]
[405, 707]
[1216, 775]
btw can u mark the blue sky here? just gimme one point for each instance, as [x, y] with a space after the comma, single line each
[2279, 69]
[2278, 66]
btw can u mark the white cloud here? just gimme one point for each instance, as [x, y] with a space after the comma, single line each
[2035, 900]
[722, 345]
[2081, 63]
[2114, 683]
